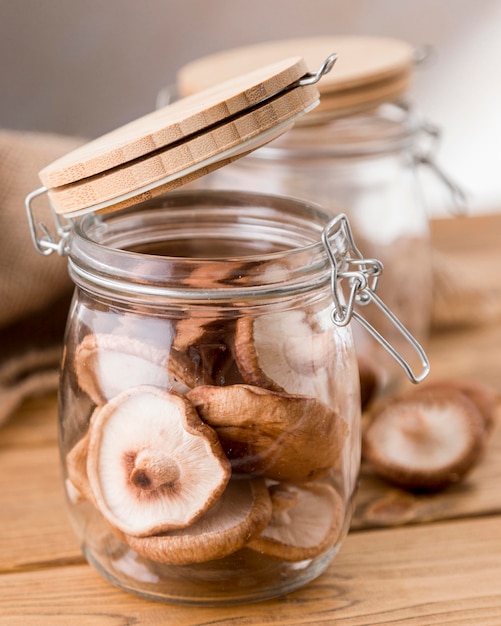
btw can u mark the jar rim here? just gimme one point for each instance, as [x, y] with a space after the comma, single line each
[281, 237]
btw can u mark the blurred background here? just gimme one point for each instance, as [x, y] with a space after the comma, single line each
[83, 68]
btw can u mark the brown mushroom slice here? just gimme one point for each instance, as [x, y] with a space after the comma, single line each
[152, 464]
[243, 510]
[485, 398]
[274, 434]
[424, 441]
[208, 344]
[108, 364]
[77, 483]
[306, 520]
[283, 352]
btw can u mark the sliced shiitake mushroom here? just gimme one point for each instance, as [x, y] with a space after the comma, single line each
[207, 346]
[283, 352]
[306, 520]
[370, 381]
[152, 464]
[243, 510]
[273, 434]
[485, 398]
[77, 483]
[107, 364]
[425, 440]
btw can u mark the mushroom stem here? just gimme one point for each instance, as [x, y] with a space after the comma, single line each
[152, 469]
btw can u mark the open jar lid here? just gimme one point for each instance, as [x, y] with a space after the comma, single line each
[182, 141]
[369, 70]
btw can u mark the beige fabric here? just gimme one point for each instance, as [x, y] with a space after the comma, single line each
[34, 290]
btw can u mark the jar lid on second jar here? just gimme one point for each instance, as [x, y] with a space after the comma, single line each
[182, 141]
[369, 70]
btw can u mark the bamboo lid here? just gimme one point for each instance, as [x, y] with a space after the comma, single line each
[182, 141]
[368, 71]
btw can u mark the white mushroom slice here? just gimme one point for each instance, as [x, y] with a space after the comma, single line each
[243, 510]
[283, 352]
[107, 364]
[273, 434]
[426, 440]
[306, 520]
[151, 463]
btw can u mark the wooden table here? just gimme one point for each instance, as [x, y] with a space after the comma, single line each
[407, 560]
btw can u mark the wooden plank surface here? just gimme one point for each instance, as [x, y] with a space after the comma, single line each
[445, 573]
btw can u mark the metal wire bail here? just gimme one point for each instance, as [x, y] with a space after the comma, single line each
[44, 241]
[362, 282]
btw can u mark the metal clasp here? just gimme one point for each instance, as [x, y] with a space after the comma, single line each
[44, 241]
[362, 276]
[313, 77]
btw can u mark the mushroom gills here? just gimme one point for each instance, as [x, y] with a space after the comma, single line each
[152, 464]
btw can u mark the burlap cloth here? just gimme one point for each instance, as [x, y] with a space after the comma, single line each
[35, 291]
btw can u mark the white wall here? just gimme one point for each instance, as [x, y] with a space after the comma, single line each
[86, 66]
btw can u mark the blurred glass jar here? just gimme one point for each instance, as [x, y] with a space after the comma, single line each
[365, 166]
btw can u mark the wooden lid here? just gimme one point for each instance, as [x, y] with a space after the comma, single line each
[369, 70]
[181, 141]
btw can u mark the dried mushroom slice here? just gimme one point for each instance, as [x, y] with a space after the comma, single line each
[306, 520]
[243, 510]
[485, 398]
[424, 441]
[152, 464]
[370, 381]
[273, 434]
[208, 345]
[77, 483]
[107, 364]
[282, 352]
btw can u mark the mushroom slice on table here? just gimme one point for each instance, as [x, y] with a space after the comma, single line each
[243, 510]
[424, 440]
[283, 352]
[273, 434]
[306, 520]
[107, 364]
[485, 398]
[152, 464]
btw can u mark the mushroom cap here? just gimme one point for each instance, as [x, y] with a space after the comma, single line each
[285, 351]
[77, 483]
[306, 520]
[485, 398]
[152, 464]
[107, 364]
[426, 440]
[243, 510]
[277, 435]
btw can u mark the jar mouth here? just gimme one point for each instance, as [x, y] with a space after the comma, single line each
[205, 245]
[388, 128]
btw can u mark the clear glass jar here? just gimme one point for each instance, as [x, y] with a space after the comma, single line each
[363, 165]
[209, 406]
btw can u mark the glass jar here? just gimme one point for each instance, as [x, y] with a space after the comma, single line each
[209, 407]
[363, 165]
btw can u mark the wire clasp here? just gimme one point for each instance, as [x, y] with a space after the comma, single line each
[44, 241]
[362, 277]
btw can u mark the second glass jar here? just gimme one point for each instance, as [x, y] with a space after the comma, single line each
[365, 166]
